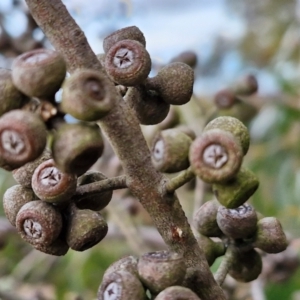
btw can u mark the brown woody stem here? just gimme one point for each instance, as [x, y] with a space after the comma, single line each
[109, 184]
[179, 180]
[123, 130]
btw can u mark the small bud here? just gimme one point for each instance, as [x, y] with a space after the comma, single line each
[88, 95]
[246, 266]
[52, 185]
[39, 222]
[121, 285]
[238, 190]
[177, 293]
[10, 96]
[148, 106]
[76, 147]
[128, 63]
[85, 228]
[22, 138]
[39, 73]
[93, 201]
[161, 269]
[127, 33]
[23, 175]
[216, 156]
[234, 126]
[174, 83]
[170, 150]
[13, 199]
[237, 223]
[205, 219]
[224, 99]
[269, 236]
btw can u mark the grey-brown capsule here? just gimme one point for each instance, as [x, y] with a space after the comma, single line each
[39, 73]
[170, 151]
[234, 126]
[24, 174]
[76, 147]
[88, 95]
[22, 138]
[85, 228]
[161, 269]
[13, 199]
[39, 222]
[126, 33]
[93, 201]
[246, 266]
[270, 236]
[121, 285]
[216, 156]
[128, 63]
[237, 223]
[10, 96]
[174, 83]
[148, 106]
[177, 293]
[205, 219]
[52, 185]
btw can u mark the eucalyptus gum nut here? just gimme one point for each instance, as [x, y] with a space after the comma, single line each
[39, 73]
[234, 126]
[238, 190]
[174, 83]
[211, 249]
[59, 247]
[246, 266]
[270, 236]
[13, 199]
[205, 219]
[88, 95]
[121, 285]
[188, 57]
[224, 99]
[148, 106]
[93, 201]
[127, 33]
[170, 150]
[188, 131]
[52, 185]
[177, 293]
[24, 174]
[10, 96]
[39, 222]
[237, 223]
[128, 63]
[245, 85]
[127, 263]
[22, 138]
[85, 228]
[216, 156]
[76, 147]
[161, 269]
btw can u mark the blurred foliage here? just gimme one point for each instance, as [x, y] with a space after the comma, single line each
[271, 42]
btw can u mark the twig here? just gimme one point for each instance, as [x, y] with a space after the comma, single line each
[224, 266]
[179, 180]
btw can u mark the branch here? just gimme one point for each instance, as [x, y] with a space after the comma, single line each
[123, 131]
